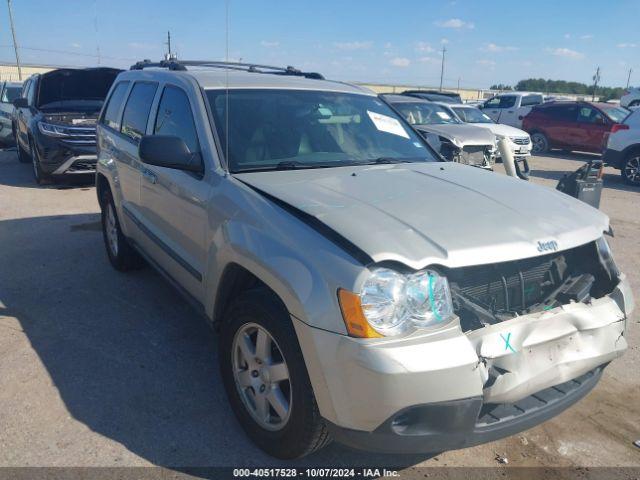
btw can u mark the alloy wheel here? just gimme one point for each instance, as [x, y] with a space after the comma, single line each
[261, 376]
[632, 170]
[539, 143]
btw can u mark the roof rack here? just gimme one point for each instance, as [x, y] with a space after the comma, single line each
[181, 65]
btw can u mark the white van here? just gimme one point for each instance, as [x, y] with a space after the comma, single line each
[510, 108]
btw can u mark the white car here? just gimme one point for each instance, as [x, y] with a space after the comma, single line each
[519, 140]
[510, 108]
[623, 148]
[631, 98]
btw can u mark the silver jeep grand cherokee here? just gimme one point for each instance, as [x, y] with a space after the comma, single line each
[363, 290]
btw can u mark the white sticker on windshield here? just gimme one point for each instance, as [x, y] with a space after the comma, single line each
[387, 124]
[443, 115]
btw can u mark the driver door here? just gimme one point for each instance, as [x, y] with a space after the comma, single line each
[173, 202]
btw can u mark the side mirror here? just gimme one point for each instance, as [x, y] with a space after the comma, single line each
[170, 152]
[21, 102]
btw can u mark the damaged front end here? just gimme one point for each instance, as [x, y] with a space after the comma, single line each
[482, 156]
[539, 322]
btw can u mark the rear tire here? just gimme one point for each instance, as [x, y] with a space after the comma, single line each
[630, 169]
[540, 143]
[122, 256]
[303, 431]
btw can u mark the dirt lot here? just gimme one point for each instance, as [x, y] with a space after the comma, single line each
[99, 368]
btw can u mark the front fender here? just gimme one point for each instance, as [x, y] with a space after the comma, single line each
[302, 266]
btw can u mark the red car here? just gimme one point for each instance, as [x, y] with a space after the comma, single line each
[580, 126]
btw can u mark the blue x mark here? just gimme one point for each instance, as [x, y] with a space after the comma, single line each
[507, 345]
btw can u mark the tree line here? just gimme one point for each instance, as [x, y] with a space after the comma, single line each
[562, 86]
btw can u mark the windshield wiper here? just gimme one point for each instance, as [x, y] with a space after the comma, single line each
[388, 160]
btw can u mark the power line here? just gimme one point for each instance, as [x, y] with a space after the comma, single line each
[78, 54]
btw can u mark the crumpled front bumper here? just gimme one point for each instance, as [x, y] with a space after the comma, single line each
[430, 388]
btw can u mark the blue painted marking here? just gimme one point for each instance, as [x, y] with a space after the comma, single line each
[507, 344]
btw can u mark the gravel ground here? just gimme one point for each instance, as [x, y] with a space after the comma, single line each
[99, 368]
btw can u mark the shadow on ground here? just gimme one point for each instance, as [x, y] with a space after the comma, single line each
[24, 178]
[130, 359]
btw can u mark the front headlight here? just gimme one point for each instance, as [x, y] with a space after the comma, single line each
[392, 303]
[606, 258]
[52, 130]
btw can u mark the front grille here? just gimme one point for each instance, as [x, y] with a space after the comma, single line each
[486, 294]
[521, 141]
[81, 166]
[80, 135]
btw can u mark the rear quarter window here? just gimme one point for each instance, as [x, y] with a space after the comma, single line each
[136, 111]
[111, 116]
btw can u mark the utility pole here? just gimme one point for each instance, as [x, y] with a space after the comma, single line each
[444, 50]
[15, 44]
[596, 79]
[629, 77]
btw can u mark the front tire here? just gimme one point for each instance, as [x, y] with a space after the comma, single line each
[540, 143]
[266, 378]
[630, 169]
[122, 256]
[39, 175]
[22, 155]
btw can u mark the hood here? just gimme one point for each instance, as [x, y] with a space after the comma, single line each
[464, 133]
[435, 213]
[75, 88]
[502, 129]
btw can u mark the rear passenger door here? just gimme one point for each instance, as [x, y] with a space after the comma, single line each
[559, 121]
[174, 201]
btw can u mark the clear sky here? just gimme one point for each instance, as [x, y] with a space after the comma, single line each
[489, 41]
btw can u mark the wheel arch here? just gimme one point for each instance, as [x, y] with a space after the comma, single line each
[234, 280]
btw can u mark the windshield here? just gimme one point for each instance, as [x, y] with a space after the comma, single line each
[617, 114]
[471, 115]
[420, 113]
[286, 129]
[10, 94]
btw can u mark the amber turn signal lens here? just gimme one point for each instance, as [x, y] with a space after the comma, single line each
[353, 317]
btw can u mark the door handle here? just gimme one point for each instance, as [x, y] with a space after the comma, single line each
[149, 176]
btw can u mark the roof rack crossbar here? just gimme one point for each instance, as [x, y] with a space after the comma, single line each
[247, 67]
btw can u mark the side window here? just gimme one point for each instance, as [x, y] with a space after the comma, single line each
[530, 100]
[31, 94]
[507, 101]
[589, 115]
[110, 117]
[25, 88]
[175, 118]
[493, 103]
[136, 111]
[562, 113]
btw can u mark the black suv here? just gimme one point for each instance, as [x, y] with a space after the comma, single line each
[55, 120]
